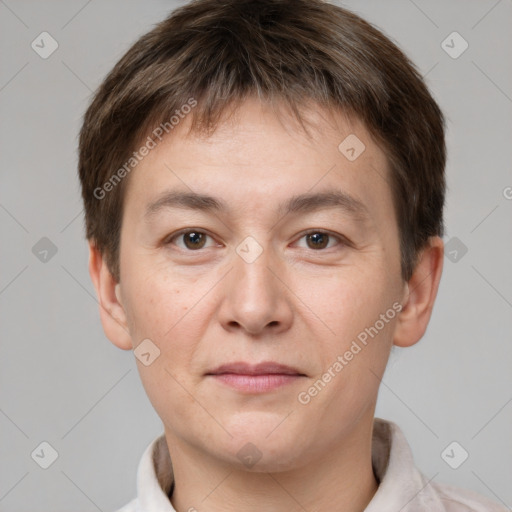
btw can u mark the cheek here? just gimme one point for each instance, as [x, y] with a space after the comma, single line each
[157, 301]
[359, 317]
[348, 303]
[174, 313]
[161, 309]
[354, 350]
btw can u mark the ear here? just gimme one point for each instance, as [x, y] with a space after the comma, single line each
[112, 313]
[420, 294]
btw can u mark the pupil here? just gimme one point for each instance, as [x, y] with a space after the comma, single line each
[194, 240]
[319, 240]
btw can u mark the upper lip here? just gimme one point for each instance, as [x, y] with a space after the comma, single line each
[265, 368]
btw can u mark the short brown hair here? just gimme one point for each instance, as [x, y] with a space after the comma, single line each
[218, 52]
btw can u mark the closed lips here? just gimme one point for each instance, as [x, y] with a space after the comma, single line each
[266, 368]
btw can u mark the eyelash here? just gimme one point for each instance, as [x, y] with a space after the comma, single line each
[340, 239]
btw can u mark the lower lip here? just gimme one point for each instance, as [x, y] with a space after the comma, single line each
[256, 383]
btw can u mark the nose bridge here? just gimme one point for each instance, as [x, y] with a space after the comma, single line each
[255, 275]
[253, 278]
[254, 298]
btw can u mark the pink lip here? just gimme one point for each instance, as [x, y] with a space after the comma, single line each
[255, 378]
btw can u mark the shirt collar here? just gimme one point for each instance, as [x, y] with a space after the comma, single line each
[155, 478]
[401, 486]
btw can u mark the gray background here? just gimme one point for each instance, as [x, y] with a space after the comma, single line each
[64, 383]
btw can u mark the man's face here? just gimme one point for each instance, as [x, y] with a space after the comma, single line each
[276, 275]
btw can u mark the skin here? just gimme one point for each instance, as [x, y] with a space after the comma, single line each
[296, 304]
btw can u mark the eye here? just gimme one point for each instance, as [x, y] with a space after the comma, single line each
[192, 239]
[318, 240]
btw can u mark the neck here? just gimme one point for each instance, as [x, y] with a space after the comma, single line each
[340, 480]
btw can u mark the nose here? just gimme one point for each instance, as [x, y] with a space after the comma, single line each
[255, 299]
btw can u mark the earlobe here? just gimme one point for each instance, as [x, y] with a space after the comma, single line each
[112, 313]
[419, 295]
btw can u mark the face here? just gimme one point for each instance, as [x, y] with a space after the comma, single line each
[264, 266]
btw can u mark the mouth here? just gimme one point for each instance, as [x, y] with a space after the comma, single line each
[253, 379]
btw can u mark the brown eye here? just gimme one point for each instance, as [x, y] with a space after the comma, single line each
[194, 240]
[190, 240]
[317, 240]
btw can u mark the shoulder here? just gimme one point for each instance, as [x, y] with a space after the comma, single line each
[456, 499]
[402, 486]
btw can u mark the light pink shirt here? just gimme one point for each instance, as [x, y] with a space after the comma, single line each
[402, 488]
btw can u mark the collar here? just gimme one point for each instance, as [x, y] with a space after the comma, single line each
[401, 486]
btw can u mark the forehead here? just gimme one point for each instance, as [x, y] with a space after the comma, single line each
[262, 158]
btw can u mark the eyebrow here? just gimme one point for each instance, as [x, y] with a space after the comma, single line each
[303, 203]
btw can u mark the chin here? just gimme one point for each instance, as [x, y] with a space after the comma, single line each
[268, 465]
[261, 427]
[257, 448]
